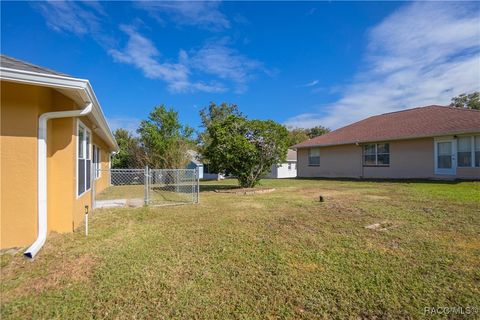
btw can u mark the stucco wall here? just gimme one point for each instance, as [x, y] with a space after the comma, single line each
[21, 106]
[409, 159]
[468, 173]
[18, 166]
[338, 161]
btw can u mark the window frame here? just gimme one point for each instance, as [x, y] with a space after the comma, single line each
[473, 151]
[313, 164]
[97, 160]
[86, 130]
[376, 154]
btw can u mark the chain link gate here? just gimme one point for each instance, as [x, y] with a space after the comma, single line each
[137, 187]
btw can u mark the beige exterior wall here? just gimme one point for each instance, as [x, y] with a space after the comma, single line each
[409, 159]
[20, 108]
[468, 173]
[337, 161]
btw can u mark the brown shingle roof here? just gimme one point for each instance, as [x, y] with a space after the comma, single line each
[412, 123]
[291, 155]
[12, 63]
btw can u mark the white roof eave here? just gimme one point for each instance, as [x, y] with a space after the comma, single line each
[63, 82]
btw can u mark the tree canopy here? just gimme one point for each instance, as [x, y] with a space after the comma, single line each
[468, 101]
[162, 142]
[245, 148]
[317, 131]
[297, 135]
[216, 113]
[164, 139]
[130, 154]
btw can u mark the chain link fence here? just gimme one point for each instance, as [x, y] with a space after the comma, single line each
[154, 187]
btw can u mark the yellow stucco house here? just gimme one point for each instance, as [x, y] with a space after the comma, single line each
[53, 137]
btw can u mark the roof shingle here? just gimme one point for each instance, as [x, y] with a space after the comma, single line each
[12, 63]
[419, 122]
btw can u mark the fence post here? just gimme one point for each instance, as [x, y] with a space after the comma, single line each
[177, 181]
[197, 173]
[146, 181]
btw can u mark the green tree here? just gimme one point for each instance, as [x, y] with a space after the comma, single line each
[317, 131]
[164, 139]
[215, 112]
[245, 148]
[468, 101]
[297, 135]
[130, 154]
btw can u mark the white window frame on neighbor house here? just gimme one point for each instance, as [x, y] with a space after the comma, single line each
[97, 161]
[87, 155]
[376, 154]
[445, 171]
[474, 157]
[310, 156]
[473, 140]
[476, 148]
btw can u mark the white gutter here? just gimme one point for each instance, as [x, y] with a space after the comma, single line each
[42, 173]
[66, 83]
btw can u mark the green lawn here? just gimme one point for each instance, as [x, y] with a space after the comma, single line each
[274, 255]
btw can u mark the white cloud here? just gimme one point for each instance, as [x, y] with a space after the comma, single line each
[142, 53]
[204, 14]
[309, 84]
[69, 16]
[216, 58]
[424, 53]
[221, 65]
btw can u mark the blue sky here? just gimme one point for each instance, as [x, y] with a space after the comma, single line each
[299, 63]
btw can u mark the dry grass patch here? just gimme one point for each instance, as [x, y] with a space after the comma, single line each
[63, 273]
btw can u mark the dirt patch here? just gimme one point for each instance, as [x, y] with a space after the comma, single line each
[10, 251]
[381, 226]
[246, 191]
[311, 192]
[374, 197]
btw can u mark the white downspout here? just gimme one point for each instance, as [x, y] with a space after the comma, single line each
[42, 173]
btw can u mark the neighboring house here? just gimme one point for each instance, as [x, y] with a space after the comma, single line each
[432, 142]
[203, 170]
[53, 132]
[287, 169]
[195, 162]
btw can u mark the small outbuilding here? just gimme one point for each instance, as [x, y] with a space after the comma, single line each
[287, 169]
[195, 162]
